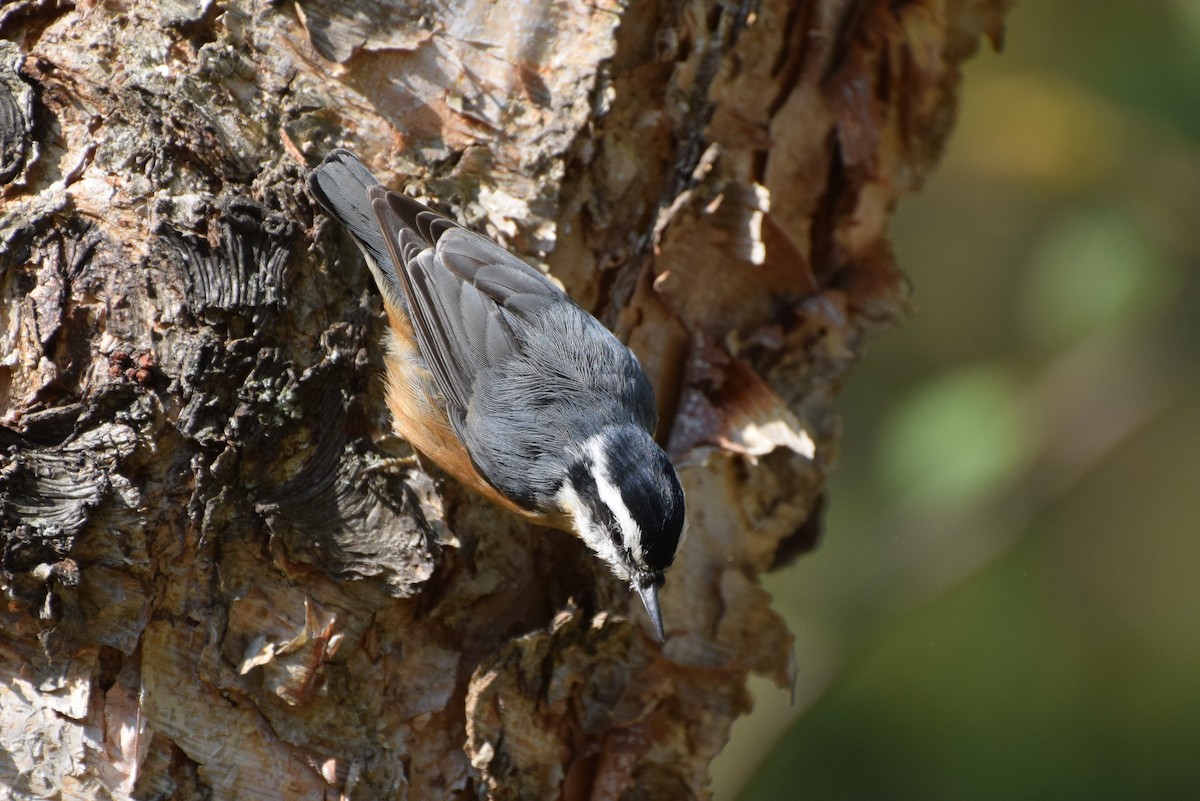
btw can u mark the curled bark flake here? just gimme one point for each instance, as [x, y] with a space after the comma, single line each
[727, 405]
[244, 272]
[70, 538]
[49, 494]
[354, 517]
[16, 115]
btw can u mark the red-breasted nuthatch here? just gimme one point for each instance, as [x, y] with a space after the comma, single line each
[499, 377]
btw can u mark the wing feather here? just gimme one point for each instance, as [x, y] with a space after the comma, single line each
[462, 291]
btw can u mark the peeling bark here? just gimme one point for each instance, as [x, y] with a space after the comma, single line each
[224, 577]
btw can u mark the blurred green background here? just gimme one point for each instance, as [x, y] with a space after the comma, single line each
[1006, 603]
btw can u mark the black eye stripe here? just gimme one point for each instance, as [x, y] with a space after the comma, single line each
[589, 497]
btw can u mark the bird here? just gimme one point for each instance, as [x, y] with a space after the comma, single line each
[512, 388]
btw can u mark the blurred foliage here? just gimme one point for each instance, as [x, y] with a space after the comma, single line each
[1007, 599]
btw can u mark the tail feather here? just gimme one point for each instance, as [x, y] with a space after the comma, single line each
[340, 185]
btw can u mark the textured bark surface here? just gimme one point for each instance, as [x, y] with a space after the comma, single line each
[223, 576]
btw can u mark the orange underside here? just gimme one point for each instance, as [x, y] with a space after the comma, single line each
[419, 416]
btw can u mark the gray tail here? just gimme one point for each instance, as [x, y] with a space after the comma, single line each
[340, 185]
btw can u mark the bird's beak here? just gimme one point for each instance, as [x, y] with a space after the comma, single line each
[649, 593]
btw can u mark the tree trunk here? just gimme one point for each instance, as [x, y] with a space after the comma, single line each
[224, 577]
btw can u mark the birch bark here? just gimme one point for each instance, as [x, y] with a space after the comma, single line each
[223, 577]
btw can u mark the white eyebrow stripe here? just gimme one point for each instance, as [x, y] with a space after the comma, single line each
[631, 532]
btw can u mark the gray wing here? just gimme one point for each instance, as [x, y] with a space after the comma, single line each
[467, 296]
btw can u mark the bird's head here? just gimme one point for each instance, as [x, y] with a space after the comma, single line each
[625, 502]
